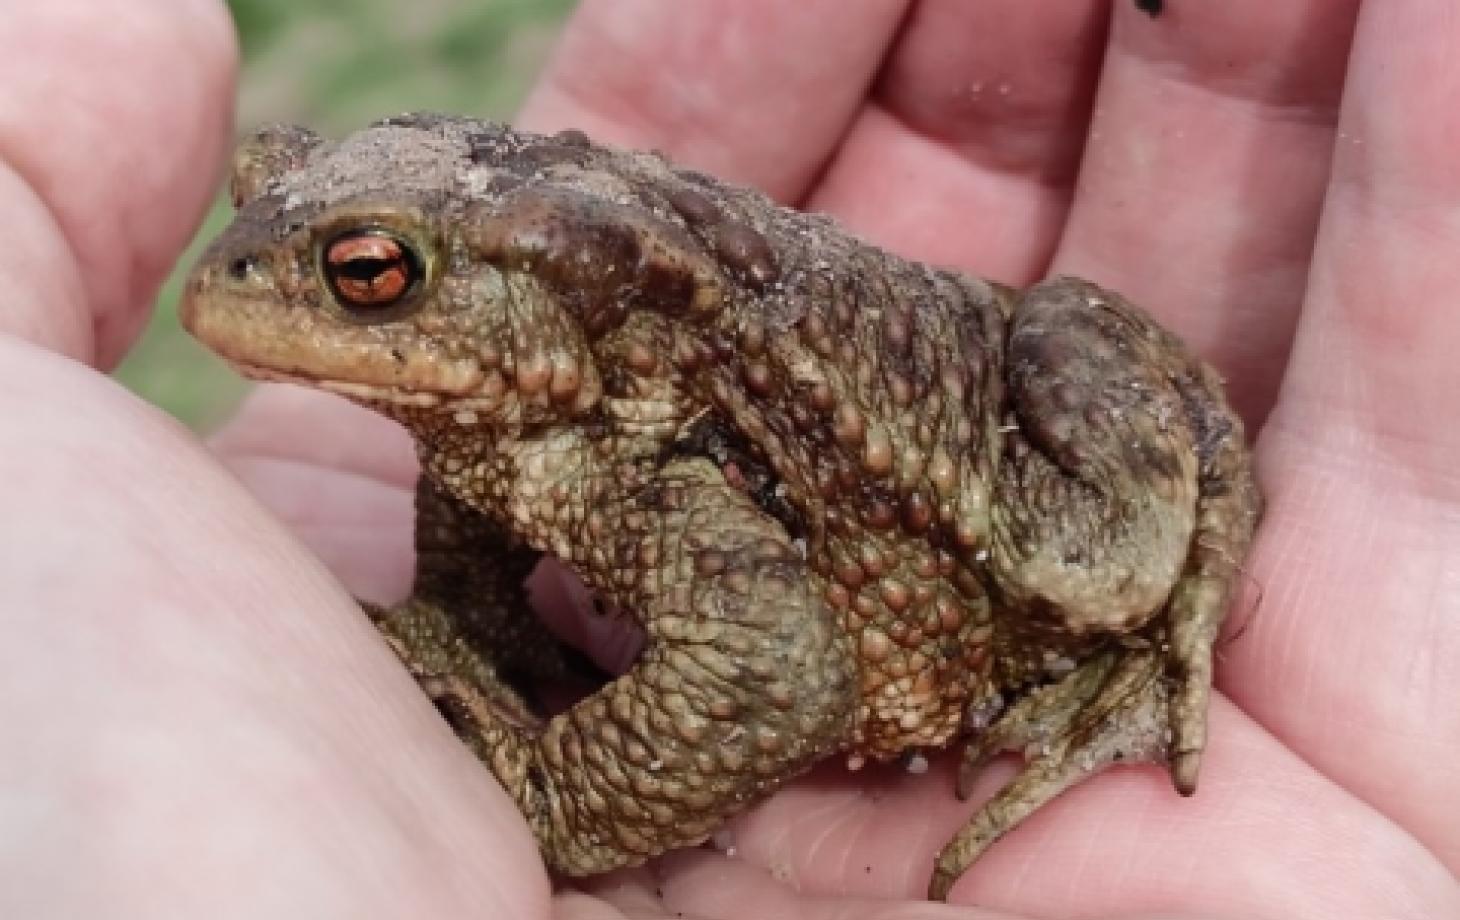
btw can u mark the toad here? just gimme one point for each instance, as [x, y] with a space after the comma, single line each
[858, 505]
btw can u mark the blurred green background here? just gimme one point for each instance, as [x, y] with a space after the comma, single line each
[334, 66]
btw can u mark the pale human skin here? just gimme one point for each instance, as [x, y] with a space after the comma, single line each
[200, 722]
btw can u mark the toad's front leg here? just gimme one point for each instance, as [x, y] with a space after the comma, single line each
[469, 601]
[744, 682]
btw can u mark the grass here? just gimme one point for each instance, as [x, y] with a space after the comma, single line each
[335, 66]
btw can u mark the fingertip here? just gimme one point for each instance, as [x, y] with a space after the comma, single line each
[756, 91]
[117, 123]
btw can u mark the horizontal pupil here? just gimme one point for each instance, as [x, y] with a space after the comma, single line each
[365, 269]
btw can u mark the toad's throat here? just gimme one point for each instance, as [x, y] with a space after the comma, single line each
[364, 392]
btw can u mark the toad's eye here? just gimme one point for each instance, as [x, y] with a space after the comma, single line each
[370, 270]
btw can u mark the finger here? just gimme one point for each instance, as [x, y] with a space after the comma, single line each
[967, 154]
[715, 887]
[304, 425]
[105, 177]
[1352, 657]
[755, 91]
[1201, 184]
[1121, 843]
[186, 697]
[342, 478]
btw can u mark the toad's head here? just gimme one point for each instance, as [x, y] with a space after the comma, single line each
[430, 262]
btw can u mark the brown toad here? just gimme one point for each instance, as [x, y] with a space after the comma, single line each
[858, 504]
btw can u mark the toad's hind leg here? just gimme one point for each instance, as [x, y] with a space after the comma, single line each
[1124, 506]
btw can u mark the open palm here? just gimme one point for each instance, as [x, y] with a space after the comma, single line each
[199, 721]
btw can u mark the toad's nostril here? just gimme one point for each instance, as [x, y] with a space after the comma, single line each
[240, 268]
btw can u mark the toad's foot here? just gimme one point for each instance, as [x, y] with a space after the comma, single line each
[466, 687]
[1116, 707]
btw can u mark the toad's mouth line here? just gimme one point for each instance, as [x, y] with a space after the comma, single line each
[367, 392]
[421, 399]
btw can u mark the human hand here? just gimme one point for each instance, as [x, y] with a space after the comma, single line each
[204, 722]
[1265, 194]
[197, 721]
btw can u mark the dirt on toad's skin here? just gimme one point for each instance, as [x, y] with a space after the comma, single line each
[859, 505]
